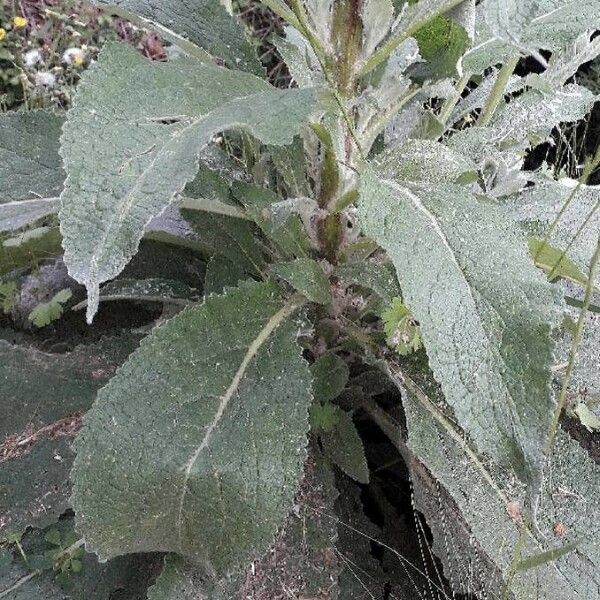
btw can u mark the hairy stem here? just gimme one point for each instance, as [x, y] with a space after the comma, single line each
[451, 101]
[497, 91]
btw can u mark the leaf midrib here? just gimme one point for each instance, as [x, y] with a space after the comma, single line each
[489, 344]
[272, 324]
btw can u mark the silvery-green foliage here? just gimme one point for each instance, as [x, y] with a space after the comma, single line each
[470, 248]
[205, 23]
[376, 18]
[171, 131]
[314, 209]
[300, 58]
[379, 103]
[203, 464]
[320, 14]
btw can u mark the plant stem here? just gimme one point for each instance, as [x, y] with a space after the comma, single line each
[497, 91]
[451, 101]
[214, 206]
[564, 390]
[347, 40]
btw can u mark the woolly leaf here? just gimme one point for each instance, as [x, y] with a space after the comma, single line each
[371, 275]
[30, 166]
[31, 173]
[179, 580]
[505, 28]
[174, 109]
[301, 557]
[323, 417]
[177, 452]
[537, 207]
[485, 312]
[290, 238]
[221, 274]
[377, 16]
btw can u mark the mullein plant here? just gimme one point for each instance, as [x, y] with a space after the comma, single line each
[375, 217]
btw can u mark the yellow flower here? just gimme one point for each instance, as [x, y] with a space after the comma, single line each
[2, 34]
[19, 22]
[78, 60]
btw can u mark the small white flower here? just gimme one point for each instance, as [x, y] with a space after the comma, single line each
[32, 57]
[73, 56]
[45, 78]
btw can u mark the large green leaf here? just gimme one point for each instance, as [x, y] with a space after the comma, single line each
[485, 312]
[483, 545]
[43, 397]
[179, 580]
[31, 173]
[206, 23]
[178, 453]
[525, 121]
[132, 141]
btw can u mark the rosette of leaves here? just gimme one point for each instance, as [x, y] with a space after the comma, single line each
[310, 225]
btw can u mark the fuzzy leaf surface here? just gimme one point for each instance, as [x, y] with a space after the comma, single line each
[538, 205]
[177, 454]
[344, 447]
[127, 159]
[330, 376]
[484, 311]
